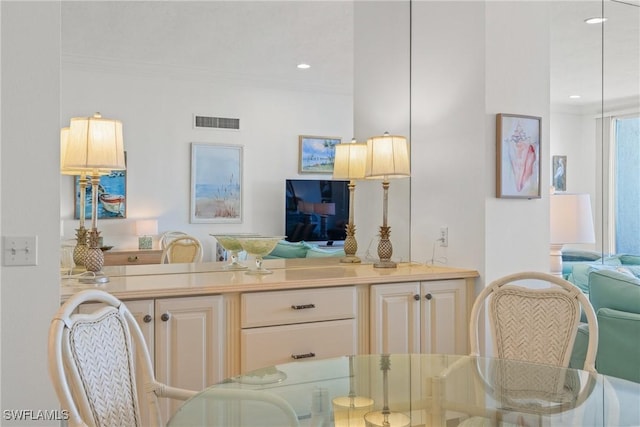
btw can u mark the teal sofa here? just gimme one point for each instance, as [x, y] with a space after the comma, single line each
[285, 249]
[615, 297]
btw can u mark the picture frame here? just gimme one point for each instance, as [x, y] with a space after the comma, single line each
[216, 183]
[559, 172]
[112, 196]
[518, 151]
[317, 153]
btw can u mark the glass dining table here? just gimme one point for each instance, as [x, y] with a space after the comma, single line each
[413, 390]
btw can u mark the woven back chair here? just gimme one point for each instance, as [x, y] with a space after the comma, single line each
[536, 325]
[182, 249]
[531, 324]
[92, 367]
[91, 364]
[168, 236]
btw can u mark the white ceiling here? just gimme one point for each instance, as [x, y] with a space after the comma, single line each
[577, 64]
[266, 39]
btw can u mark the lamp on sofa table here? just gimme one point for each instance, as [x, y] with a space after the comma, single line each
[571, 222]
[387, 157]
[95, 146]
[349, 164]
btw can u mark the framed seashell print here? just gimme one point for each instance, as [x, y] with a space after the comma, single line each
[518, 156]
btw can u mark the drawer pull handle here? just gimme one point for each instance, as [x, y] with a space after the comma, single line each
[132, 258]
[303, 356]
[303, 306]
[147, 318]
[428, 296]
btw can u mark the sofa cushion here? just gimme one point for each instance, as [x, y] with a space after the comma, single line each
[315, 252]
[286, 249]
[580, 272]
[630, 259]
[615, 290]
[579, 255]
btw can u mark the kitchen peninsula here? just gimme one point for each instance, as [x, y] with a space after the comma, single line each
[203, 323]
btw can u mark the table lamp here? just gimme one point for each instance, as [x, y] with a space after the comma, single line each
[95, 145]
[145, 229]
[387, 157]
[349, 164]
[80, 250]
[571, 222]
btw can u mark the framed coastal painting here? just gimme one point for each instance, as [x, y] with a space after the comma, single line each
[518, 156]
[559, 170]
[317, 153]
[216, 183]
[112, 196]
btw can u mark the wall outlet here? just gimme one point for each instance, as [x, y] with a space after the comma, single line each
[444, 236]
[20, 250]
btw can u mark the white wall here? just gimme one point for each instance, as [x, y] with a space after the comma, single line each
[156, 106]
[455, 100]
[382, 104]
[29, 296]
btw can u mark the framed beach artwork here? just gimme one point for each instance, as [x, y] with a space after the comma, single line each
[559, 170]
[216, 183]
[518, 156]
[317, 153]
[112, 196]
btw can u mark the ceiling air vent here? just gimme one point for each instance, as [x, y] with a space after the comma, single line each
[206, 122]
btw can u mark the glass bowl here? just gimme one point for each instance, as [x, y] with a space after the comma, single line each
[231, 244]
[259, 246]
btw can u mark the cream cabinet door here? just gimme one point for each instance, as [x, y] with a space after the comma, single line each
[445, 328]
[427, 317]
[395, 318]
[189, 344]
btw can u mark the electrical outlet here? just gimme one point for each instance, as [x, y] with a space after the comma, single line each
[444, 236]
[21, 250]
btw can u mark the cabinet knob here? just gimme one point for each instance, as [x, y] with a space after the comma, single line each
[133, 258]
[147, 318]
[416, 297]
[165, 317]
[428, 296]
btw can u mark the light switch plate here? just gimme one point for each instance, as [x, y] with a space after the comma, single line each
[20, 250]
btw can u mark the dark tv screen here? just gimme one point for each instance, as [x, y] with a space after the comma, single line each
[316, 210]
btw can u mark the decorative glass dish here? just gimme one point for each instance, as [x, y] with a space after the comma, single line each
[259, 246]
[231, 244]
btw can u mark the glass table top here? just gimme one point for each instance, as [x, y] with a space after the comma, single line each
[414, 390]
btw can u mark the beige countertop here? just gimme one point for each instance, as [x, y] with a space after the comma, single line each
[169, 280]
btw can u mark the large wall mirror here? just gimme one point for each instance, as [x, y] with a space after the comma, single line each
[154, 65]
[595, 96]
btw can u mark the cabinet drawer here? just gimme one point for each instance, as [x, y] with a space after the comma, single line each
[297, 306]
[133, 257]
[263, 347]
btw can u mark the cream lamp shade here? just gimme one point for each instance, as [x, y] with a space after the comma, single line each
[350, 161]
[570, 222]
[571, 219]
[387, 157]
[147, 227]
[64, 145]
[94, 144]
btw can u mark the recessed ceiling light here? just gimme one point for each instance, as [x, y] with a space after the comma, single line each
[596, 20]
[575, 96]
[304, 66]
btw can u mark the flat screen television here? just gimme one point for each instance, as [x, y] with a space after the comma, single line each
[317, 210]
